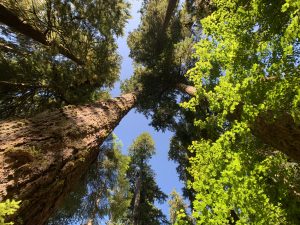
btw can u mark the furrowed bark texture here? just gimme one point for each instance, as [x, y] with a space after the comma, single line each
[42, 157]
[13, 21]
[281, 133]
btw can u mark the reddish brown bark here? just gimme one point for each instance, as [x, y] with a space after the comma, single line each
[13, 21]
[42, 157]
[188, 89]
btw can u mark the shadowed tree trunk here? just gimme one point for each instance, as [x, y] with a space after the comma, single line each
[137, 199]
[170, 11]
[42, 157]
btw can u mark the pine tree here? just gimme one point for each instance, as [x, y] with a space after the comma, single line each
[142, 181]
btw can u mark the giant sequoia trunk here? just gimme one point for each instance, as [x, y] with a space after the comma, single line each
[42, 157]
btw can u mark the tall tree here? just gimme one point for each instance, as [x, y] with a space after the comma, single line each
[56, 53]
[143, 185]
[157, 75]
[247, 71]
[61, 145]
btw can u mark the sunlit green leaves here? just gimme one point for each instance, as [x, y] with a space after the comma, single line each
[247, 65]
[7, 208]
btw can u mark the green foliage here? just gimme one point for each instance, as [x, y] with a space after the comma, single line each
[9, 207]
[143, 209]
[142, 148]
[103, 194]
[247, 65]
[161, 58]
[233, 174]
[34, 76]
[178, 210]
[120, 195]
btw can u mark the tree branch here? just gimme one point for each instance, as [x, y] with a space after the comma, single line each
[13, 21]
[188, 89]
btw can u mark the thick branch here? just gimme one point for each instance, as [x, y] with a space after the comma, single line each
[13, 21]
[188, 89]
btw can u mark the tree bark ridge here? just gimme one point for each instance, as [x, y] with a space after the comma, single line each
[42, 157]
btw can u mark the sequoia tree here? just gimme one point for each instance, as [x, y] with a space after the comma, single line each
[50, 150]
[43, 156]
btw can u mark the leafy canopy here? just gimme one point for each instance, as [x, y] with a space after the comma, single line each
[35, 75]
[247, 66]
[7, 208]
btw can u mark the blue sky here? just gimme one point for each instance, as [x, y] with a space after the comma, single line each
[134, 123]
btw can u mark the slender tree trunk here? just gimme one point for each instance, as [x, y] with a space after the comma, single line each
[13, 21]
[137, 199]
[42, 157]
[170, 11]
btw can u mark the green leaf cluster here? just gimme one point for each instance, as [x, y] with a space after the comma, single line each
[35, 76]
[9, 207]
[247, 66]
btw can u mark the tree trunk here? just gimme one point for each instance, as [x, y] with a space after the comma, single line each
[13, 21]
[137, 199]
[170, 11]
[281, 133]
[42, 157]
